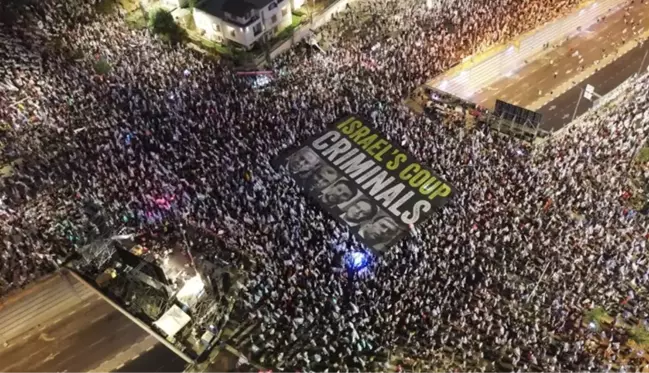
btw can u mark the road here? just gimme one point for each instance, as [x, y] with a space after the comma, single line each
[158, 359]
[559, 112]
[61, 325]
[535, 85]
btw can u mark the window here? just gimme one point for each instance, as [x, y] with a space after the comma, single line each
[273, 19]
[216, 27]
[233, 33]
[284, 11]
[272, 6]
[257, 29]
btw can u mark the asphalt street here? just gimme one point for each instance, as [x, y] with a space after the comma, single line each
[158, 359]
[60, 325]
[536, 80]
[559, 112]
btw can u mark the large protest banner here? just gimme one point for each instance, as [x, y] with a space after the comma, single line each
[365, 181]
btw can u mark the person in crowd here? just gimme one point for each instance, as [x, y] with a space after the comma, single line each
[168, 143]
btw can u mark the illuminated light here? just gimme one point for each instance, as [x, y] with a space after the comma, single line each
[592, 325]
[357, 261]
[191, 291]
[444, 84]
[193, 286]
[511, 49]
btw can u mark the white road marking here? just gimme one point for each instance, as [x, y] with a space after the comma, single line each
[51, 356]
[97, 319]
[21, 361]
[98, 341]
[45, 337]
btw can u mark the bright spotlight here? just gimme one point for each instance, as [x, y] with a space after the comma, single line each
[357, 260]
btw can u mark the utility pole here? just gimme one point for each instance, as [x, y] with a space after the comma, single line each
[537, 283]
[581, 93]
[642, 63]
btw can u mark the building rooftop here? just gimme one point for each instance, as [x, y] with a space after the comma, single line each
[258, 4]
[237, 8]
[212, 7]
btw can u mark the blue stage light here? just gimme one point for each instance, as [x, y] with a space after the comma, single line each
[357, 260]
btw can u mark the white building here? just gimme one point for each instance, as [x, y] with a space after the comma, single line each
[242, 22]
[172, 4]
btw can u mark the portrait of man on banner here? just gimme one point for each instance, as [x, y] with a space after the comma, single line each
[379, 232]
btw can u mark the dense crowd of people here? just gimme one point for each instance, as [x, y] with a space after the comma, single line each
[168, 138]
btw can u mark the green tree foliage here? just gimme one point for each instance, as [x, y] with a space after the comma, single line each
[162, 23]
[598, 315]
[640, 335]
[102, 67]
[106, 6]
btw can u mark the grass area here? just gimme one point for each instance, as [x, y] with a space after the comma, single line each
[299, 12]
[129, 5]
[288, 31]
[640, 335]
[296, 20]
[209, 45]
[136, 20]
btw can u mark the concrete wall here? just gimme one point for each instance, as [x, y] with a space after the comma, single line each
[481, 70]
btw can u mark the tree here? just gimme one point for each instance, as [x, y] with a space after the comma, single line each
[102, 67]
[106, 6]
[162, 23]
